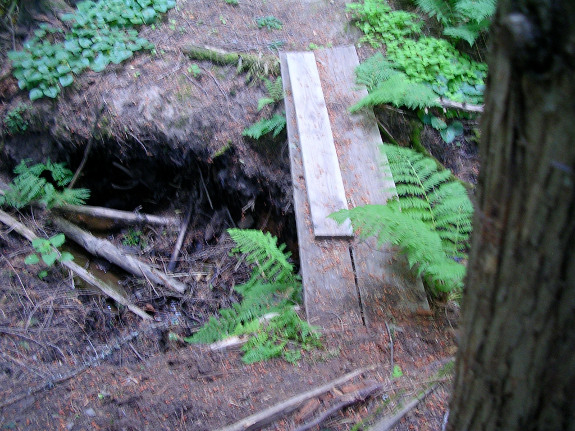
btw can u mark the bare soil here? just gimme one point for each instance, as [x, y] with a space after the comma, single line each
[72, 359]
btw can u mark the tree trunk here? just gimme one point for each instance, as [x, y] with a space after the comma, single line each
[516, 363]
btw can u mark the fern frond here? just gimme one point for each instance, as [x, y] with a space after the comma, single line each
[468, 32]
[271, 262]
[61, 175]
[443, 10]
[476, 10]
[399, 91]
[422, 246]
[275, 124]
[30, 185]
[374, 71]
[69, 197]
[275, 89]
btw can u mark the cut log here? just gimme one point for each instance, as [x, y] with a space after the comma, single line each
[78, 270]
[107, 250]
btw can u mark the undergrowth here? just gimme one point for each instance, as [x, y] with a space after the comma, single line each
[45, 183]
[266, 314]
[99, 33]
[433, 62]
[430, 220]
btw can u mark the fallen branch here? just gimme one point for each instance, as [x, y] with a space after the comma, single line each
[450, 104]
[267, 416]
[344, 401]
[107, 250]
[181, 236]
[251, 63]
[125, 216]
[78, 270]
[387, 424]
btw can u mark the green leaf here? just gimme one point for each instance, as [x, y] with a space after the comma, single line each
[66, 80]
[42, 274]
[31, 259]
[50, 258]
[41, 245]
[52, 92]
[36, 94]
[58, 240]
[66, 257]
[454, 130]
[396, 373]
[100, 63]
[437, 123]
[148, 15]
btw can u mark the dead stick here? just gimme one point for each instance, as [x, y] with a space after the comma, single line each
[346, 400]
[181, 236]
[388, 423]
[87, 150]
[78, 270]
[126, 216]
[110, 252]
[267, 416]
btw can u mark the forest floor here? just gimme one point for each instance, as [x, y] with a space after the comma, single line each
[71, 359]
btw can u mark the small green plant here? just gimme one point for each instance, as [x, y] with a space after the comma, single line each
[447, 131]
[43, 182]
[269, 22]
[47, 250]
[275, 93]
[99, 34]
[430, 221]
[266, 312]
[232, 2]
[195, 70]
[15, 120]
[134, 238]
[273, 125]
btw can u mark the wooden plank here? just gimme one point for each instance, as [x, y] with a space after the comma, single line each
[383, 276]
[321, 168]
[330, 294]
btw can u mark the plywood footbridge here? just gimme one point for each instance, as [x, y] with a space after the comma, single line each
[336, 163]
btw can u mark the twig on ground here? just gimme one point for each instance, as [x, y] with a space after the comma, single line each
[181, 236]
[388, 423]
[345, 401]
[87, 149]
[390, 345]
[19, 279]
[259, 420]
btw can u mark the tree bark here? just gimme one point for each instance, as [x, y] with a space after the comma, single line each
[516, 363]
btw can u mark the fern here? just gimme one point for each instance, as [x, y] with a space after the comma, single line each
[387, 85]
[275, 124]
[443, 10]
[426, 193]
[463, 19]
[35, 183]
[430, 221]
[275, 93]
[273, 287]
